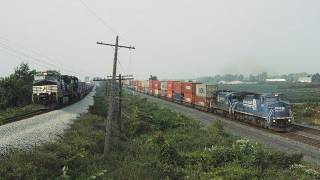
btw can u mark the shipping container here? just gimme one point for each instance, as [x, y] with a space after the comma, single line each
[170, 89]
[177, 87]
[204, 90]
[164, 85]
[203, 101]
[189, 91]
[156, 86]
[178, 97]
[189, 98]
[156, 92]
[189, 87]
[163, 91]
[146, 90]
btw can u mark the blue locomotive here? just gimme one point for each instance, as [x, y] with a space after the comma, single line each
[265, 110]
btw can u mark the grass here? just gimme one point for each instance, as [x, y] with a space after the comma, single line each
[156, 144]
[12, 112]
[304, 97]
[308, 113]
[295, 92]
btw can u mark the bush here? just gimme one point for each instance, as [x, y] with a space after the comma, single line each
[156, 144]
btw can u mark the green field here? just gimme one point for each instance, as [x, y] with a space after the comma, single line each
[295, 92]
[156, 143]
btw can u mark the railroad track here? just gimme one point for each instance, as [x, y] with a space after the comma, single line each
[25, 116]
[304, 134]
[299, 133]
[36, 112]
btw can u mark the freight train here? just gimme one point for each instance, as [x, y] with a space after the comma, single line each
[267, 110]
[51, 88]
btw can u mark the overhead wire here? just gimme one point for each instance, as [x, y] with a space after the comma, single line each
[6, 51]
[32, 58]
[102, 21]
[93, 13]
[64, 67]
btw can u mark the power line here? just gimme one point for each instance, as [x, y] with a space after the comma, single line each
[19, 57]
[92, 12]
[101, 20]
[32, 58]
[43, 56]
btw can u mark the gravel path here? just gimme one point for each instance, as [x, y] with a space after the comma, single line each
[27, 133]
[270, 140]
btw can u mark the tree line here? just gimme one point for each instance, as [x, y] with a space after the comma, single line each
[260, 78]
[16, 89]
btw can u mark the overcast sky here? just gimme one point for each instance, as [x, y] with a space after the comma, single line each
[174, 39]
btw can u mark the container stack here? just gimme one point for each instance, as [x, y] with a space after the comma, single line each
[189, 92]
[164, 89]
[204, 94]
[154, 87]
[170, 89]
[178, 91]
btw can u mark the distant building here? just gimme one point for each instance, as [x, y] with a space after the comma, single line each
[87, 79]
[231, 82]
[276, 80]
[305, 79]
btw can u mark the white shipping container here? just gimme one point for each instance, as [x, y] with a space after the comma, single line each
[204, 90]
[146, 90]
[145, 84]
[164, 85]
[156, 92]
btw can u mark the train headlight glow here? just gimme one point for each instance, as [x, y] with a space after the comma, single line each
[274, 121]
[289, 120]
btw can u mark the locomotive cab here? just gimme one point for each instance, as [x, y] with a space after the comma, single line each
[46, 87]
[277, 112]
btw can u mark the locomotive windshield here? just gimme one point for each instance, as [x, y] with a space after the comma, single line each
[274, 98]
[271, 99]
[49, 76]
[46, 77]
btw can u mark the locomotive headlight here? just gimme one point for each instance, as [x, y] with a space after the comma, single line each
[289, 120]
[274, 121]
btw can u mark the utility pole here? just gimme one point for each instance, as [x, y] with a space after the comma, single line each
[108, 121]
[120, 78]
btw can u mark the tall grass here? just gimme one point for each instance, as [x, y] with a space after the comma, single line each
[156, 144]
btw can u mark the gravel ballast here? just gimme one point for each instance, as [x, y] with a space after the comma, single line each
[40, 129]
[270, 140]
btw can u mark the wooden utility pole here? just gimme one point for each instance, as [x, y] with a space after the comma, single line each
[120, 78]
[112, 93]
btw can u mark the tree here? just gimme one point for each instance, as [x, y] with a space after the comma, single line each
[153, 77]
[316, 78]
[16, 90]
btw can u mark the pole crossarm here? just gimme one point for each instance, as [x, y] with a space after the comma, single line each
[106, 44]
[111, 95]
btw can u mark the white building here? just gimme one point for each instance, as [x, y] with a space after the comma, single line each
[276, 80]
[305, 79]
[231, 82]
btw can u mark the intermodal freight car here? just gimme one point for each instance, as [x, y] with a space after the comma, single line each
[266, 110]
[53, 88]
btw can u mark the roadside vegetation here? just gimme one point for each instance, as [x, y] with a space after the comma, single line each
[308, 113]
[295, 92]
[304, 98]
[17, 111]
[16, 89]
[156, 144]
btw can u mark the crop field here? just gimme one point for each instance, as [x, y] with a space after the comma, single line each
[295, 92]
